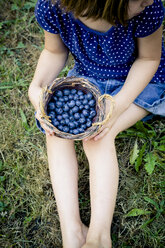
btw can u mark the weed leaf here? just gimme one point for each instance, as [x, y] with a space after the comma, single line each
[2, 178]
[139, 126]
[24, 120]
[138, 162]
[137, 212]
[134, 153]
[20, 45]
[150, 160]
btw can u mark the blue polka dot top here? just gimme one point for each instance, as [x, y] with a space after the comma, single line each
[100, 55]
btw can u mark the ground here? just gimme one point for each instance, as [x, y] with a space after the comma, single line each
[28, 214]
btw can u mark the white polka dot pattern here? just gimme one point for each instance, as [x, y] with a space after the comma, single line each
[102, 55]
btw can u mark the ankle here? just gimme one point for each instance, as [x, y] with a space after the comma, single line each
[101, 239]
[74, 236]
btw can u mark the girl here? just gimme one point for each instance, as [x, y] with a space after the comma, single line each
[117, 45]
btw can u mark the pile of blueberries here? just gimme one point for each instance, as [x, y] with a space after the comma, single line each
[72, 110]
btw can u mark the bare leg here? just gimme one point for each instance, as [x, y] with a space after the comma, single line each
[64, 176]
[104, 175]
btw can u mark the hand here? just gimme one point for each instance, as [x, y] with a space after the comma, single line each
[118, 109]
[47, 129]
[34, 96]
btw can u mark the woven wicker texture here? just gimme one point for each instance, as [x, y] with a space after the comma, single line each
[85, 86]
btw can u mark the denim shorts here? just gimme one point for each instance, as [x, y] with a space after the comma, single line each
[152, 98]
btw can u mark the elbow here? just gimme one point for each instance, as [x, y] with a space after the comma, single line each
[29, 92]
[153, 60]
[53, 50]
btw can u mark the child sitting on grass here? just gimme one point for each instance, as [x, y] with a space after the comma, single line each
[117, 45]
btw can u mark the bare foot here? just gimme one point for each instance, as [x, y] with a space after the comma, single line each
[76, 239]
[98, 244]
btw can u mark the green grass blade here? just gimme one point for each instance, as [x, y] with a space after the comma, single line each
[151, 202]
[137, 212]
[24, 120]
[138, 162]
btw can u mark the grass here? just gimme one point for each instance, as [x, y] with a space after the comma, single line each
[28, 214]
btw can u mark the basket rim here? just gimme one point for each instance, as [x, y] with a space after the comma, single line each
[48, 91]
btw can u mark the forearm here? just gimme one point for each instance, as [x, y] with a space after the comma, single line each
[49, 66]
[140, 74]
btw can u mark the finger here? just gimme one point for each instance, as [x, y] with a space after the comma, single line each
[93, 135]
[38, 115]
[101, 134]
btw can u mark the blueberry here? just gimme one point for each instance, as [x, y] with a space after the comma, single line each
[61, 99]
[73, 91]
[81, 130]
[85, 112]
[78, 103]
[71, 103]
[66, 108]
[59, 117]
[75, 109]
[75, 131]
[51, 105]
[66, 92]
[81, 97]
[71, 118]
[89, 96]
[52, 114]
[76, 123]
[60, 127]
[82, 120]
[59, 104]
[66, 98]
[55, 123]
[55, 98]
[62, 122]
[65, 115]
[81, 107]
[92, 102]
[85, 101]
[80, 92]
[92, 113]
[86, 106]
[59, 110]
[71, 97]
[67, 121]
[71, 125]
[89, 123]
[70, 112]
[65, 129]
[58, 93]
[76, 97]
[76, 116]
[83, 126]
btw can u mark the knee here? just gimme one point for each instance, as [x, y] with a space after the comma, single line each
[92, 147]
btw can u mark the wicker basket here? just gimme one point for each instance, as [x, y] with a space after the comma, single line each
[85, 86]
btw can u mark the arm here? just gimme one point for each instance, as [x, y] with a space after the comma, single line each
[52, 60]
[140, 74]
[143, 69]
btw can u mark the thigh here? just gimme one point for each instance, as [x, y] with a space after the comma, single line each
[59, 148]
[127, 119]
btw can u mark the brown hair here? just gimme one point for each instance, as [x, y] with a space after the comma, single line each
[109, 10]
